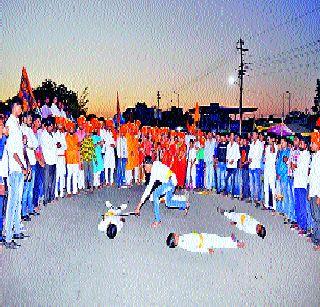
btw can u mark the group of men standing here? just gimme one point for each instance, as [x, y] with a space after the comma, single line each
[47, 157]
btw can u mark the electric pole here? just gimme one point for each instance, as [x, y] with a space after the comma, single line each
[289, 101]
[241, 73]
[158, 109]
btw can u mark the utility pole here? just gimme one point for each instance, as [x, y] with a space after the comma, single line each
[177, 96]
[158, 109]
[289, 101]
[241, 73]
[282, 107]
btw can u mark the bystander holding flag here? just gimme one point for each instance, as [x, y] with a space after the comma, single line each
[25, 91]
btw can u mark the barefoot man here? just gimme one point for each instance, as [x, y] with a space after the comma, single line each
[163, 183]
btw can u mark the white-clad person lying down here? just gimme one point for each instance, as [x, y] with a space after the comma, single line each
[244, 222]
[202, 242]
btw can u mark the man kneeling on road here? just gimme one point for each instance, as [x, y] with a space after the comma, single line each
[163, 183]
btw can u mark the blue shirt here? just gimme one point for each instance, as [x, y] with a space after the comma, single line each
[2, 144]
[281, 166]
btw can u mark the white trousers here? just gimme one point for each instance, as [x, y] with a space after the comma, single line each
[96, 179]
[129, 175]
[191, 175]
[269, 181]
[73, 174]
[109, 174]
[60, 176]
[81, 179]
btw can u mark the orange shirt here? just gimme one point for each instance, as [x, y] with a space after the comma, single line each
[72, 152]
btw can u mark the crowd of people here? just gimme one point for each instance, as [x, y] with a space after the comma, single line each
[45, 156]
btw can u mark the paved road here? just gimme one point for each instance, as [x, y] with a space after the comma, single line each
[67, 262]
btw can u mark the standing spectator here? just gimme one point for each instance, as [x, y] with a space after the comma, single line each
[45, 110]
[300, 184]
[254, 158]
[72, 159]
[60, 139]
[3, 170]
[221, 159]
[81, 135]
[38, 190]
[28, 190]
[314, 194]
[55, 112]
[244, 168]
[17, 169]
[88, 157]
[62, 113]
[191, 166]
[98, 165]
[49, 150]
[270, 173]
[282, 176]
[109, 157]
[122, 154]
[232, 158]
[200, 166]
[292, 164]
[209, 149]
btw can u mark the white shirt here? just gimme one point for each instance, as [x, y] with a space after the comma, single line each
[244, 222]
[122, 148]
[300, 174]
[209, 149]
[55, 111]
[270, 162]
[32, 144]
[192, 155]
[49, 147]
[15, 144]
[233, 153]
[63, 114]
[201, 243]
[159, 172]
[61, 138]
[314, 177]
[255, 153]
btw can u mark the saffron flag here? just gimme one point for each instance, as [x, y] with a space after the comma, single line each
[118, 111]
[196, 114]
[25, 91]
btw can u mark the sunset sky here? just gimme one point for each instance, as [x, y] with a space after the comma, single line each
[140, 47]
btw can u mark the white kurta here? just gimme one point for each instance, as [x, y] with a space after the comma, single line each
[202, 242]
[244, 221]
[109, 157]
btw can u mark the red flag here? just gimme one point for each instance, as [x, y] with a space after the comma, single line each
[118, 111]
[25, 91]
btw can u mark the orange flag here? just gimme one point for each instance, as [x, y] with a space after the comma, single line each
[25, 91]
[196, 113]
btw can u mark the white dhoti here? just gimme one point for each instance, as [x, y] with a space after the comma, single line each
[60, 176]
[73, 174]
[109, 164]
[81, 179]
[191, 175]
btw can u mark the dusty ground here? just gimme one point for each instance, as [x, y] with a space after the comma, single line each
[67, 262]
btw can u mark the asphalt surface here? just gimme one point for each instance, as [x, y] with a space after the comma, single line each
[66, 261]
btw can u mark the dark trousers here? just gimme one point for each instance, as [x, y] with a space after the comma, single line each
[245, 183]
[315, 212]
[38, 184]
[49, 183]
[200, 174]
[300, 196]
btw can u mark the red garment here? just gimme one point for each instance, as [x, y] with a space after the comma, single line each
[180, 165]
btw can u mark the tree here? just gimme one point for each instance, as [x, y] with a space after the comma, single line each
[74, 104]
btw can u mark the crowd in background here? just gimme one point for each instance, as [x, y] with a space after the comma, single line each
[45, 156]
